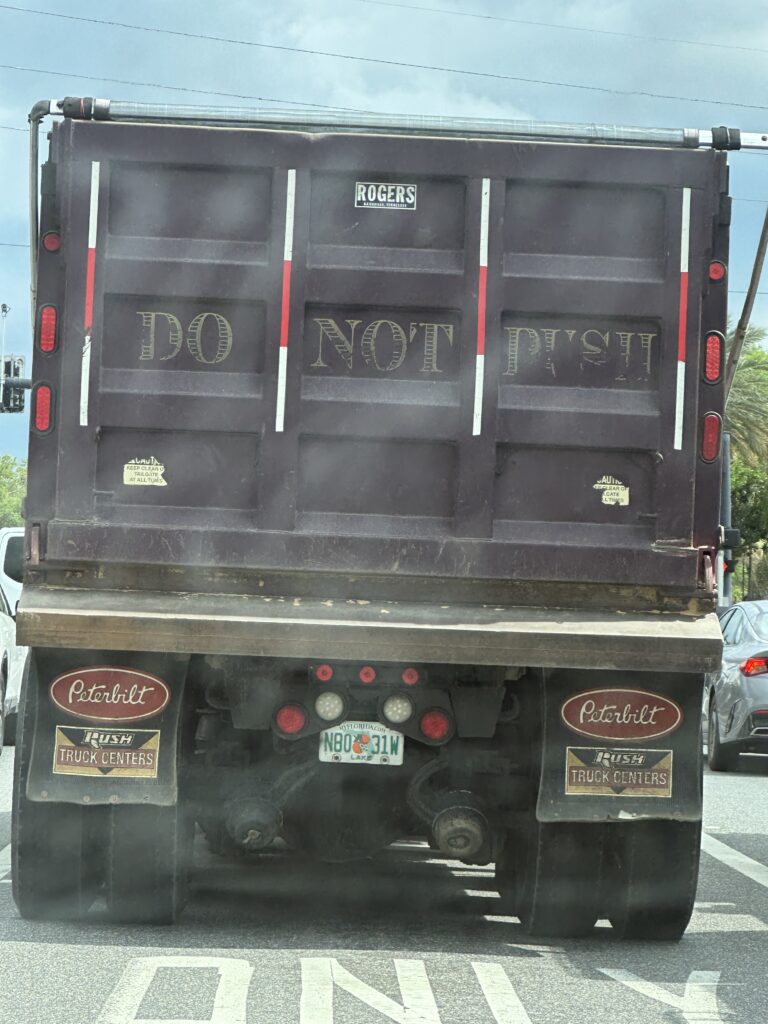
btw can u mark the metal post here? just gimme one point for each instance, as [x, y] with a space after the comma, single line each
[725, 517]
[4, 311]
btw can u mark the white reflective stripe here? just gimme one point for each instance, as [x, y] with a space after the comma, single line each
[484, 209]
[93, 216]
[290, 204]
[477, 418]
[685, 232]
[679, 405]
[281, 368]
[85, 380]
[503, 1002]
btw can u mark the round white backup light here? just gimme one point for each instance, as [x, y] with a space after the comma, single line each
[329, 706]
[397, 709]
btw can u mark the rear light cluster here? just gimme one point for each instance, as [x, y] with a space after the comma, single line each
[711, 435]
[754, 667]
[717, 270]
[436, 725]
[51, 241]
[367, 675]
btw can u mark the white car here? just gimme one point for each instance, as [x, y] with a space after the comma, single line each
[12, 659]
[11, 563]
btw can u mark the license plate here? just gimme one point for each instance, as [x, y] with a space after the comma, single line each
[361, 743]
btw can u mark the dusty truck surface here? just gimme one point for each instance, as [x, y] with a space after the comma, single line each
[373, 493]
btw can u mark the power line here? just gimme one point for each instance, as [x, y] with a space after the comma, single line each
[179, 88]
[16, 245]
[381, 61]
[565, 28]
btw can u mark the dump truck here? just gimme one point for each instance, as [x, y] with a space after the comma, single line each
[374, 471]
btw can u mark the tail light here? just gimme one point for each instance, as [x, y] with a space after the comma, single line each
[324, 673]
[397, 709]
[290, 719]
[436, 725]
[367, 674]
[43, 408]
[410, 676]
[46, 335]
[716, 270]
[711, 429]
[329, 706]
[754, 667]
[713, 357]
[51, 241]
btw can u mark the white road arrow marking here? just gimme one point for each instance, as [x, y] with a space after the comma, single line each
[698, 1004]
[320, 974]
[733, 859]
[229, 1005]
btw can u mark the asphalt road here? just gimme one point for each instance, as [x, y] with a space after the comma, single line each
[409, 938]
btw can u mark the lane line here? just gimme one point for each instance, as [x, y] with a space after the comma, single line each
[5, 865]
[746, 866]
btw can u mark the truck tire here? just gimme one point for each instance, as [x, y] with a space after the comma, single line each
[652, 871]
[55, 855]
[148, 857]
[552, 881]
[720, 758]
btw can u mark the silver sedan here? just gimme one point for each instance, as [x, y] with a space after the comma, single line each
[737, 695]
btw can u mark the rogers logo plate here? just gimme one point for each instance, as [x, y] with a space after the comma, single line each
[106, 694]
[621, 714]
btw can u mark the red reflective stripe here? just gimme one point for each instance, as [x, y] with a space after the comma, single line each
[285, 317]
[90, 275]
[482, 289]
[683, 323]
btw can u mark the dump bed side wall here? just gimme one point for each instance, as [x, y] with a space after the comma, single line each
[371, 354]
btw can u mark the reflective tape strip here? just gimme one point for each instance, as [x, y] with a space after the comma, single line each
[682, 324]
[90, 278]
[482, 291]
[285, 312]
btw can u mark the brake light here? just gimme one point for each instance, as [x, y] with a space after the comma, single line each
[435, 725]
[713, 358]
[51, 241]
[367, 674]
[291, 719]
[43, 406]
[410, 676]
[324, 673]
[754, 667]
[711, 429]
[716, 270]
[46, 338]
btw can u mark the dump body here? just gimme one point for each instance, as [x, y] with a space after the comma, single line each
[285, 358]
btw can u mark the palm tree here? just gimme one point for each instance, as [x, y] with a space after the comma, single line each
[746, 414]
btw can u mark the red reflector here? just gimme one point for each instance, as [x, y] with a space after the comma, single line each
[754, 667]
[710, 437]
[435, 725]
[410, 677]
[367, 674]
[43, 401]
[52, 241]
[324, 673]
[713, 358]
[47, 336]
[716, 270]
[290, 719]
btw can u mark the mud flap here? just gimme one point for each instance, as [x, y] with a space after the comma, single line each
[107, 727]
[619, 746]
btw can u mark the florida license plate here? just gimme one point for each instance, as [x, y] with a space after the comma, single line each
[362, 743]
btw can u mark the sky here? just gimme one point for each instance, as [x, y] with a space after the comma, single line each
[707, 58]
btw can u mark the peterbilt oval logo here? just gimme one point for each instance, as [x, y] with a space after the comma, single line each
[109, 694]
[621, 714]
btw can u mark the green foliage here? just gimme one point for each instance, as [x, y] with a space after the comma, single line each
[13, 486]
[749, 502]
[746, 414]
